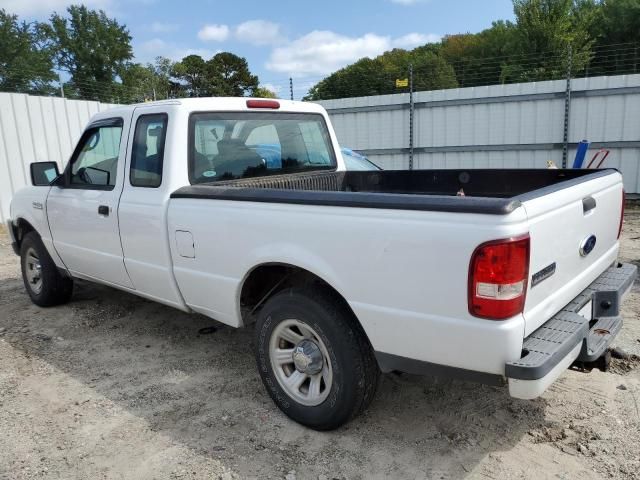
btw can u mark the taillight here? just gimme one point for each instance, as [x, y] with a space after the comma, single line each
[621, 215]
[498, 276]
[272, 104]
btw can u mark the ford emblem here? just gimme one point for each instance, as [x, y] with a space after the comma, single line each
[587, 245]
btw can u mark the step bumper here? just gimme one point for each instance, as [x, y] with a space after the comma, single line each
[581, 331]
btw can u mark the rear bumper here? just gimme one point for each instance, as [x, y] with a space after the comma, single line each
[569, 336]
[12, 235]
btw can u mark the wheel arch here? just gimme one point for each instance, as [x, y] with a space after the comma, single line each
[264, 280]
[21, 227]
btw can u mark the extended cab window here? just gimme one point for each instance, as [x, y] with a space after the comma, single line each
[148, 151]
[95, 163]
[225, 146]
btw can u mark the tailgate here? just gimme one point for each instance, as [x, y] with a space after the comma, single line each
[573, 234]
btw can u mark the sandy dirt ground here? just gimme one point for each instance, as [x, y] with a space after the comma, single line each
[113, 386]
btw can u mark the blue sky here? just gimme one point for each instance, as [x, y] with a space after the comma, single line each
[305, 40]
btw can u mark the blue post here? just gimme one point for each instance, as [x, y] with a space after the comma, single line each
[583, 146]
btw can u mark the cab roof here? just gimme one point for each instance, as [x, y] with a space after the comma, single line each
[239, 104]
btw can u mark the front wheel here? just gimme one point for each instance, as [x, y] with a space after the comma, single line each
[44, 283]
[314, 358]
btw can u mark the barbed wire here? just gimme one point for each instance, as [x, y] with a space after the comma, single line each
[621, 58]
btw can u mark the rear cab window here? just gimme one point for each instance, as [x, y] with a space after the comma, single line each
[147, 154]
[227, 146]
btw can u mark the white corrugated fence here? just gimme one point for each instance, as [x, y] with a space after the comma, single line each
[37, 129]
[499, 126]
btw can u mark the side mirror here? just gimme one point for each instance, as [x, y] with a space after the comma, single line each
[43, 173]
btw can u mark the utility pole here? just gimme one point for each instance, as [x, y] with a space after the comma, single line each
[291, 87]
[411, 116]
[567, 110]
[61, 86]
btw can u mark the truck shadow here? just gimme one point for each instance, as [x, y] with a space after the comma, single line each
[204, 392]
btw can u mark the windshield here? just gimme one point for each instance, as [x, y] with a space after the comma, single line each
[357, 162]
[226, 146]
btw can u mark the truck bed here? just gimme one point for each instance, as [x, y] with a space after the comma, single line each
[488, 191]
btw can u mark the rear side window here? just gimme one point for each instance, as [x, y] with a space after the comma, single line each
[147, 155]
[227, 146]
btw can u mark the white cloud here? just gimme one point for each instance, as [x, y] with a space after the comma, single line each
[323, 52]
[43, 8]
[149, 50]
[412, 40]
[214, 33]
[271, 87]
[259, 32]
[161, 27]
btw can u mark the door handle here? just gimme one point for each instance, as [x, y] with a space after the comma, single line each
[103, 210]
[588, 204]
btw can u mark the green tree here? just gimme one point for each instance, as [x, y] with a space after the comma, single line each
[262, 92]
[478, 59]
[138, 83]
[620, 22]
[364, 77]
[617, 32]
[147, 82]
[545, 31]
[229, 76]
[25, 66]
[377, 76]
[430, 70]
[168, 88]
[224, 75]
[191, 72]
[92, 47]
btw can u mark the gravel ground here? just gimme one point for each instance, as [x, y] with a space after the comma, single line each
[113, 386]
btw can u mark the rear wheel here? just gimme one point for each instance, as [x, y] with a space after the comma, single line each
[314, 358]
[44, 283]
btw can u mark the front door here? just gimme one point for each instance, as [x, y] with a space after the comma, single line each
[83, 209]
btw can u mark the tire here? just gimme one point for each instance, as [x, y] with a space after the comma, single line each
[349, 371]
[46, 286]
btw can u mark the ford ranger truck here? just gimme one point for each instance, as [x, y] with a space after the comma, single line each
[242, 210]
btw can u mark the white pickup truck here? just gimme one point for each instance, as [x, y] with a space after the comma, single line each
[242, 210]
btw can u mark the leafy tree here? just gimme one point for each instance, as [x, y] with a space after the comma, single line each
[545, 31]
[167, 87]
[620, 22]
[430, 70]
[377, 76]
[364, 77]
[479, 59]
[24, 66]
[148, 82]
[138, 83]
[617, 31]
[229, 76]
[92, 47]
[262, 92]
[224, 75]
[191, 72]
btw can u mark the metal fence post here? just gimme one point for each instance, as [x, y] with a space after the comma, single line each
[567, 111]
[411, 115]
